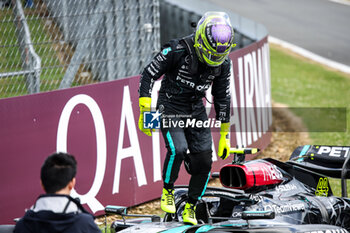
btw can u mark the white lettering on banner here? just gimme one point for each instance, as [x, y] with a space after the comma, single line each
[267, 99]
[61, 146]
[157, 167]
[254, 82]
[262, 110]
[250, 75]
[234, 119]
[242, 106]
[209, 99]
[133, 151]
[258, 91]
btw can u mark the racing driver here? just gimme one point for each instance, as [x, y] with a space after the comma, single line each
[190, 66]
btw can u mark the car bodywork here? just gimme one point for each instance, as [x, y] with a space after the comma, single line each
[263, 195]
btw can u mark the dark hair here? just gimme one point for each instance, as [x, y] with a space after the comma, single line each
[57, 171]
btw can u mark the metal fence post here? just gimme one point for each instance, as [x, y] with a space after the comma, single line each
[31, 61]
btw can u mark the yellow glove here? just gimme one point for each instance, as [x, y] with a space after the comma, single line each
[224, 143]
[145, 106]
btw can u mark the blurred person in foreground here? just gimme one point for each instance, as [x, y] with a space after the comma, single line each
[190, 66]
[57, 211]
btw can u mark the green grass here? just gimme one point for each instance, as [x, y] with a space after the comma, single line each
[9, 53]
[336, 186]
[10, 57]
[303, 84]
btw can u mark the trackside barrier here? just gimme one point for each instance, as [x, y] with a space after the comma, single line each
[98, 123]
[59, 44]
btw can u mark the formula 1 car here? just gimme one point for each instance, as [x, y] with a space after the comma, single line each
[263, 195]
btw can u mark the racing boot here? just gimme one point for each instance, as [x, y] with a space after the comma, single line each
[167, 201]
[189, 214]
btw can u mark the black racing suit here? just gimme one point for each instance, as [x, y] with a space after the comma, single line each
[184, 84]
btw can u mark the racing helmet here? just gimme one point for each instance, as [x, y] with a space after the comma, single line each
[213, 38]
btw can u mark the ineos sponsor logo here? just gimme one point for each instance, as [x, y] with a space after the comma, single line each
[237, 214]
[271, 172]
[202, 87]
[286, 188]
[256, 198]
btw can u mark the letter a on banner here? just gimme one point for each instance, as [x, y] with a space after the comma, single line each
[133, 151]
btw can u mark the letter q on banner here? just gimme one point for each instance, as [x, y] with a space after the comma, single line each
[90, 197]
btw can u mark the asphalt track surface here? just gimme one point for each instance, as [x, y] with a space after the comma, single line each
[320, 26]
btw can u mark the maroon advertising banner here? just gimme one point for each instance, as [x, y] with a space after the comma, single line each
[117, 163]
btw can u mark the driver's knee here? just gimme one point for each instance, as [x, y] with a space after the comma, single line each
[198, 163]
